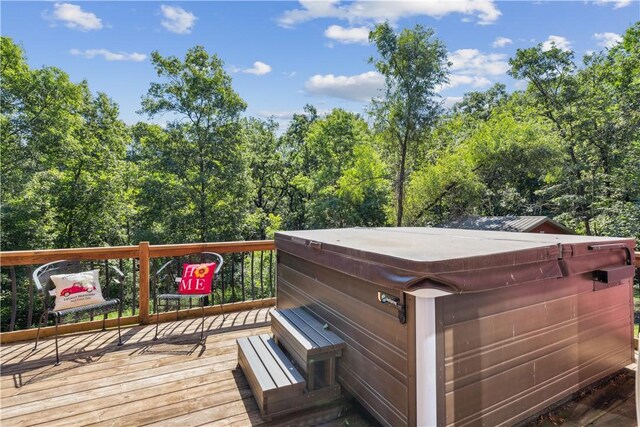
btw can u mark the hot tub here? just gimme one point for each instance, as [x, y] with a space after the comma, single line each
[463, 327]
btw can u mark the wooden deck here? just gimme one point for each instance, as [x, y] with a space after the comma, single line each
[610, 403]
[172, 381]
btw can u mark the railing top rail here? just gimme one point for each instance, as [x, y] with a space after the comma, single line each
[158, 251]
[33, 257]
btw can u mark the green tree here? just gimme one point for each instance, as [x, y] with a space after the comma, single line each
[413, 63]
[480, 104]
[62, 149]
[496, 169]
[297, 167]
[268, 175]
[62, 155]
[198, 160]
[348, 179]
[87, 192]
[593, 111]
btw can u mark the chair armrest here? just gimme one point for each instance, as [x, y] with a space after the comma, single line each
[117, 270]
[161, 269]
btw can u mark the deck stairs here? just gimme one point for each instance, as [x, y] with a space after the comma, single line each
[296, 368]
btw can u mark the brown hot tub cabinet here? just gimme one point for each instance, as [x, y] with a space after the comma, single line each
[463, 327]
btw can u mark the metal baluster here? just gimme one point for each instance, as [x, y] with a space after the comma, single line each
[233, 269]
[222, 271]
[14, 298]
[30, 313]
[91, 265]
[261, 275]
[253, 285]
[271, 290]
[242, 256]
[153, 282]
[121, 280]
[134, 278]
[107, 276]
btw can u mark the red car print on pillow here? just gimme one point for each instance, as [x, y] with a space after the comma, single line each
[76, 288]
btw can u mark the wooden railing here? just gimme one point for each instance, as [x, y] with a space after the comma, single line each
[140, 259]
[247, 280]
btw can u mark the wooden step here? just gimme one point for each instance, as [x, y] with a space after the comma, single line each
[304, 337]
[273, 379]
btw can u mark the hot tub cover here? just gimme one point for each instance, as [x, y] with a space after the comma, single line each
[454, 260]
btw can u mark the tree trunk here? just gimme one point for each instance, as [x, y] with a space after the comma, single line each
[202, 205]
[400, 184]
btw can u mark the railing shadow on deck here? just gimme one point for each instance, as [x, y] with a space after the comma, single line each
[181, 338]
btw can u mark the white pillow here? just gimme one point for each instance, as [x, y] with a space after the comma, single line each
[77, 289]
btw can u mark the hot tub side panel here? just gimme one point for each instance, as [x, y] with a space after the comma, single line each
[374, 367]
[510, 353]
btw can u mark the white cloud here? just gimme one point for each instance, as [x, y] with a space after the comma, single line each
[607, 40]
[348, 35]
[617, 4]
[361, 11]
[177, 20]
[108, 55]
[474, 62]
[450, 101]
[461, 80]
[361, 87]
[289, 74]
[258, 69]
[502, 42]
[279, 115]
[470, 68]
[74, 17]
[521, 84]
[558, 41]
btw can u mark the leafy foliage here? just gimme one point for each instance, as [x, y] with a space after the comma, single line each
[196, 165]
[62, 156]
[594, 112]
[413, 63]
[74, 175]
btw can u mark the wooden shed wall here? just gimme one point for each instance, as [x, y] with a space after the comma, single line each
[510, 353]
[375, 367]
[548, 228]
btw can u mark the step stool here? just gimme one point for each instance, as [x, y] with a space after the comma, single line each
[276, 383]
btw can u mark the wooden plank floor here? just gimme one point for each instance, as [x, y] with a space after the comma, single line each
[609, 403]
[172, 381]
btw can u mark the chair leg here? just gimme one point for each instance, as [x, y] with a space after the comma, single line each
[202, 331]
[157, 320]
[57, 354]
[104, 321]
[222, 305]
[119, 335]
[42, 319]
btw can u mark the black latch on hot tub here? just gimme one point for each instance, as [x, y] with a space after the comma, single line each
[615, 274]
[394, 301]
[607, 277]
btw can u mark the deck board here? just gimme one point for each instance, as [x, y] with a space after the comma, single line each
[172, 381]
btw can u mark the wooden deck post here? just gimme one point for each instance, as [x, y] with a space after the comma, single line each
[143, 303]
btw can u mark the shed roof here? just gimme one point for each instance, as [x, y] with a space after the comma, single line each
[512, 223]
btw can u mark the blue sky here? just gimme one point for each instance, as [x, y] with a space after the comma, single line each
[285, 54]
